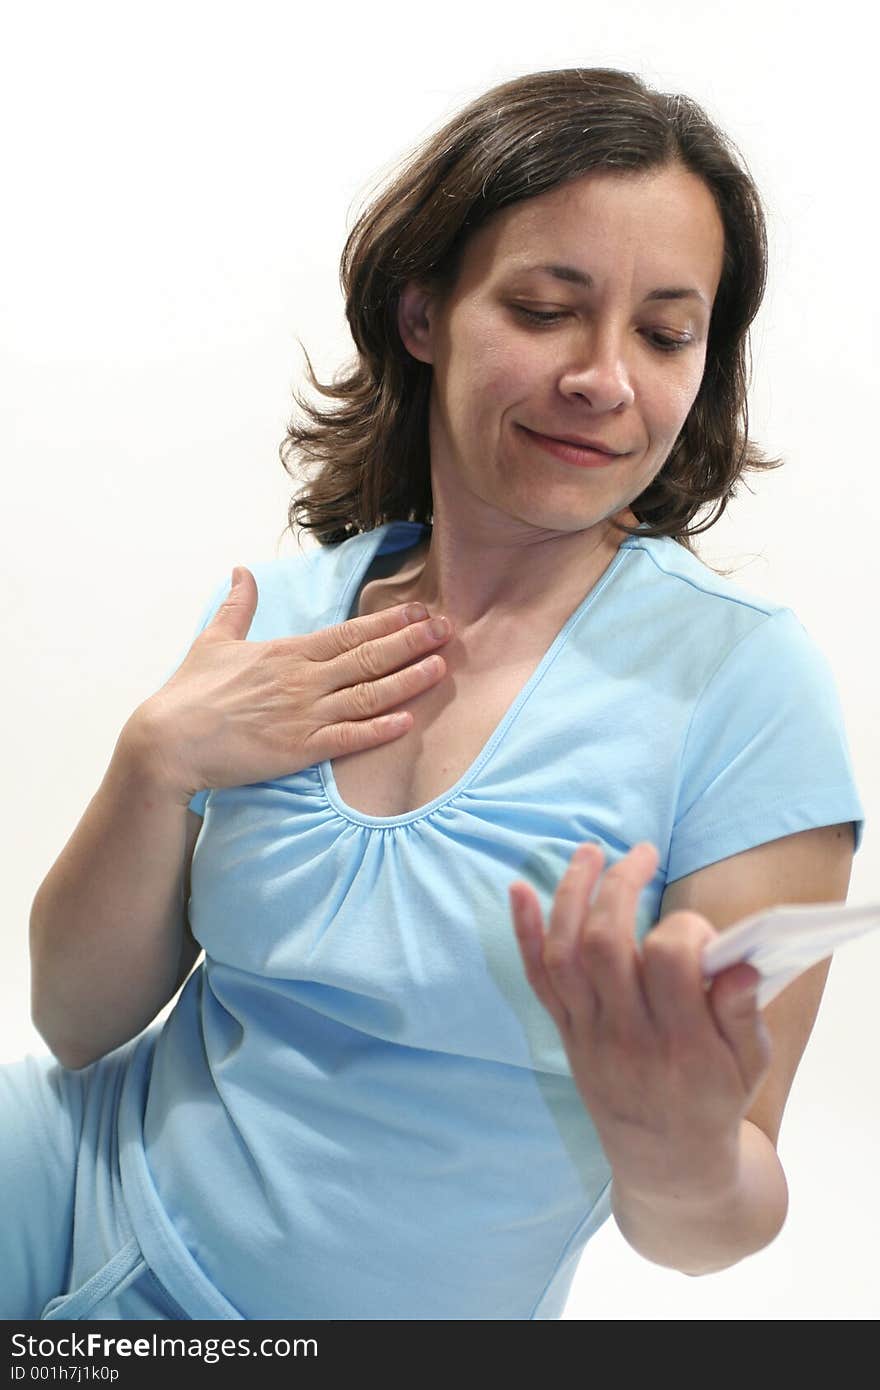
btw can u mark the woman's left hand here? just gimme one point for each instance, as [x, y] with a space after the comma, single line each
[666, 1066]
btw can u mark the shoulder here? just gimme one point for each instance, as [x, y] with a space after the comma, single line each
[705, 617]
[693, 584]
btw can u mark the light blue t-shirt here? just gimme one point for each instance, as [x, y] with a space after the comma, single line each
[358, 1108]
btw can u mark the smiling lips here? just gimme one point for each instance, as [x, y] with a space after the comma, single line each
[577, 454]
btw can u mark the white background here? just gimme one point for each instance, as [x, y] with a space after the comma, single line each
[178, 181]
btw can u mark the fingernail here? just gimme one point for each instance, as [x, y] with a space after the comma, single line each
[415, 612]
[584, 853]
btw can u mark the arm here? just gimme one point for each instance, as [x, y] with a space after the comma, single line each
[685, 1083]
[109, 941]
[701, 1236]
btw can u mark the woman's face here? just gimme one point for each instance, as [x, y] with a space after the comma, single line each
[614, 362]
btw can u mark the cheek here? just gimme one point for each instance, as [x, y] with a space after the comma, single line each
[690, 387]
[489, 368]
[668, 406]
[506, 376]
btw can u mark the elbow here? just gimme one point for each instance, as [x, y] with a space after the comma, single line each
[66, 1056]
[71, 1057]
[73, 1063]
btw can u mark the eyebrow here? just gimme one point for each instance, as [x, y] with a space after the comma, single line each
[580, 277]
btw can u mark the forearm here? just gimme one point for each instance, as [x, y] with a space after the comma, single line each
[106, 925]
[704, 1235]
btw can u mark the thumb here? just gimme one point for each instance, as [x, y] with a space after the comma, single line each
[236, 613]
[734, 1003]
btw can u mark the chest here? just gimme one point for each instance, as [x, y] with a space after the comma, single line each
[453, 722]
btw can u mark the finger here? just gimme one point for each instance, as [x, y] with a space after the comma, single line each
[377, 656]
[562, 956]
[327, 643]
[367, 698]
[608, 936]
[355, 735]
[733, 1000]
[672, 976]
[528, 923]
[366, 647]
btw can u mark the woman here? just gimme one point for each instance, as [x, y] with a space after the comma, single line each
[386, 1092]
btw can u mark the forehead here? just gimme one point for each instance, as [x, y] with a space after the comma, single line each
[660, 225]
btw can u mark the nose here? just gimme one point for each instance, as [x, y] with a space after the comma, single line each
[598, 372]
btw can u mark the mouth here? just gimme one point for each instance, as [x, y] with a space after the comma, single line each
[578, 454]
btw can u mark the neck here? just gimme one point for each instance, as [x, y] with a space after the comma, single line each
[479, 570]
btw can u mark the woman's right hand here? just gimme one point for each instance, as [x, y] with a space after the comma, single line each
[237, 712]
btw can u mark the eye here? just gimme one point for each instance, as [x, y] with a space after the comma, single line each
[658, 340]
[668, 344]
[539, 316]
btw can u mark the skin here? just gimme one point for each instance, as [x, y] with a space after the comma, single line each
[517, 533]
[666, 1069]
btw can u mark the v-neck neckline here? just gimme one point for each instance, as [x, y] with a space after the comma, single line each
[373, 543]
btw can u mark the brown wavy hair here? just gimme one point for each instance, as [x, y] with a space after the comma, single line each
[517, 141]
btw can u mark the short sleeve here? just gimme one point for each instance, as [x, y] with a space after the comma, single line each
[766, 753]
[197, 802]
